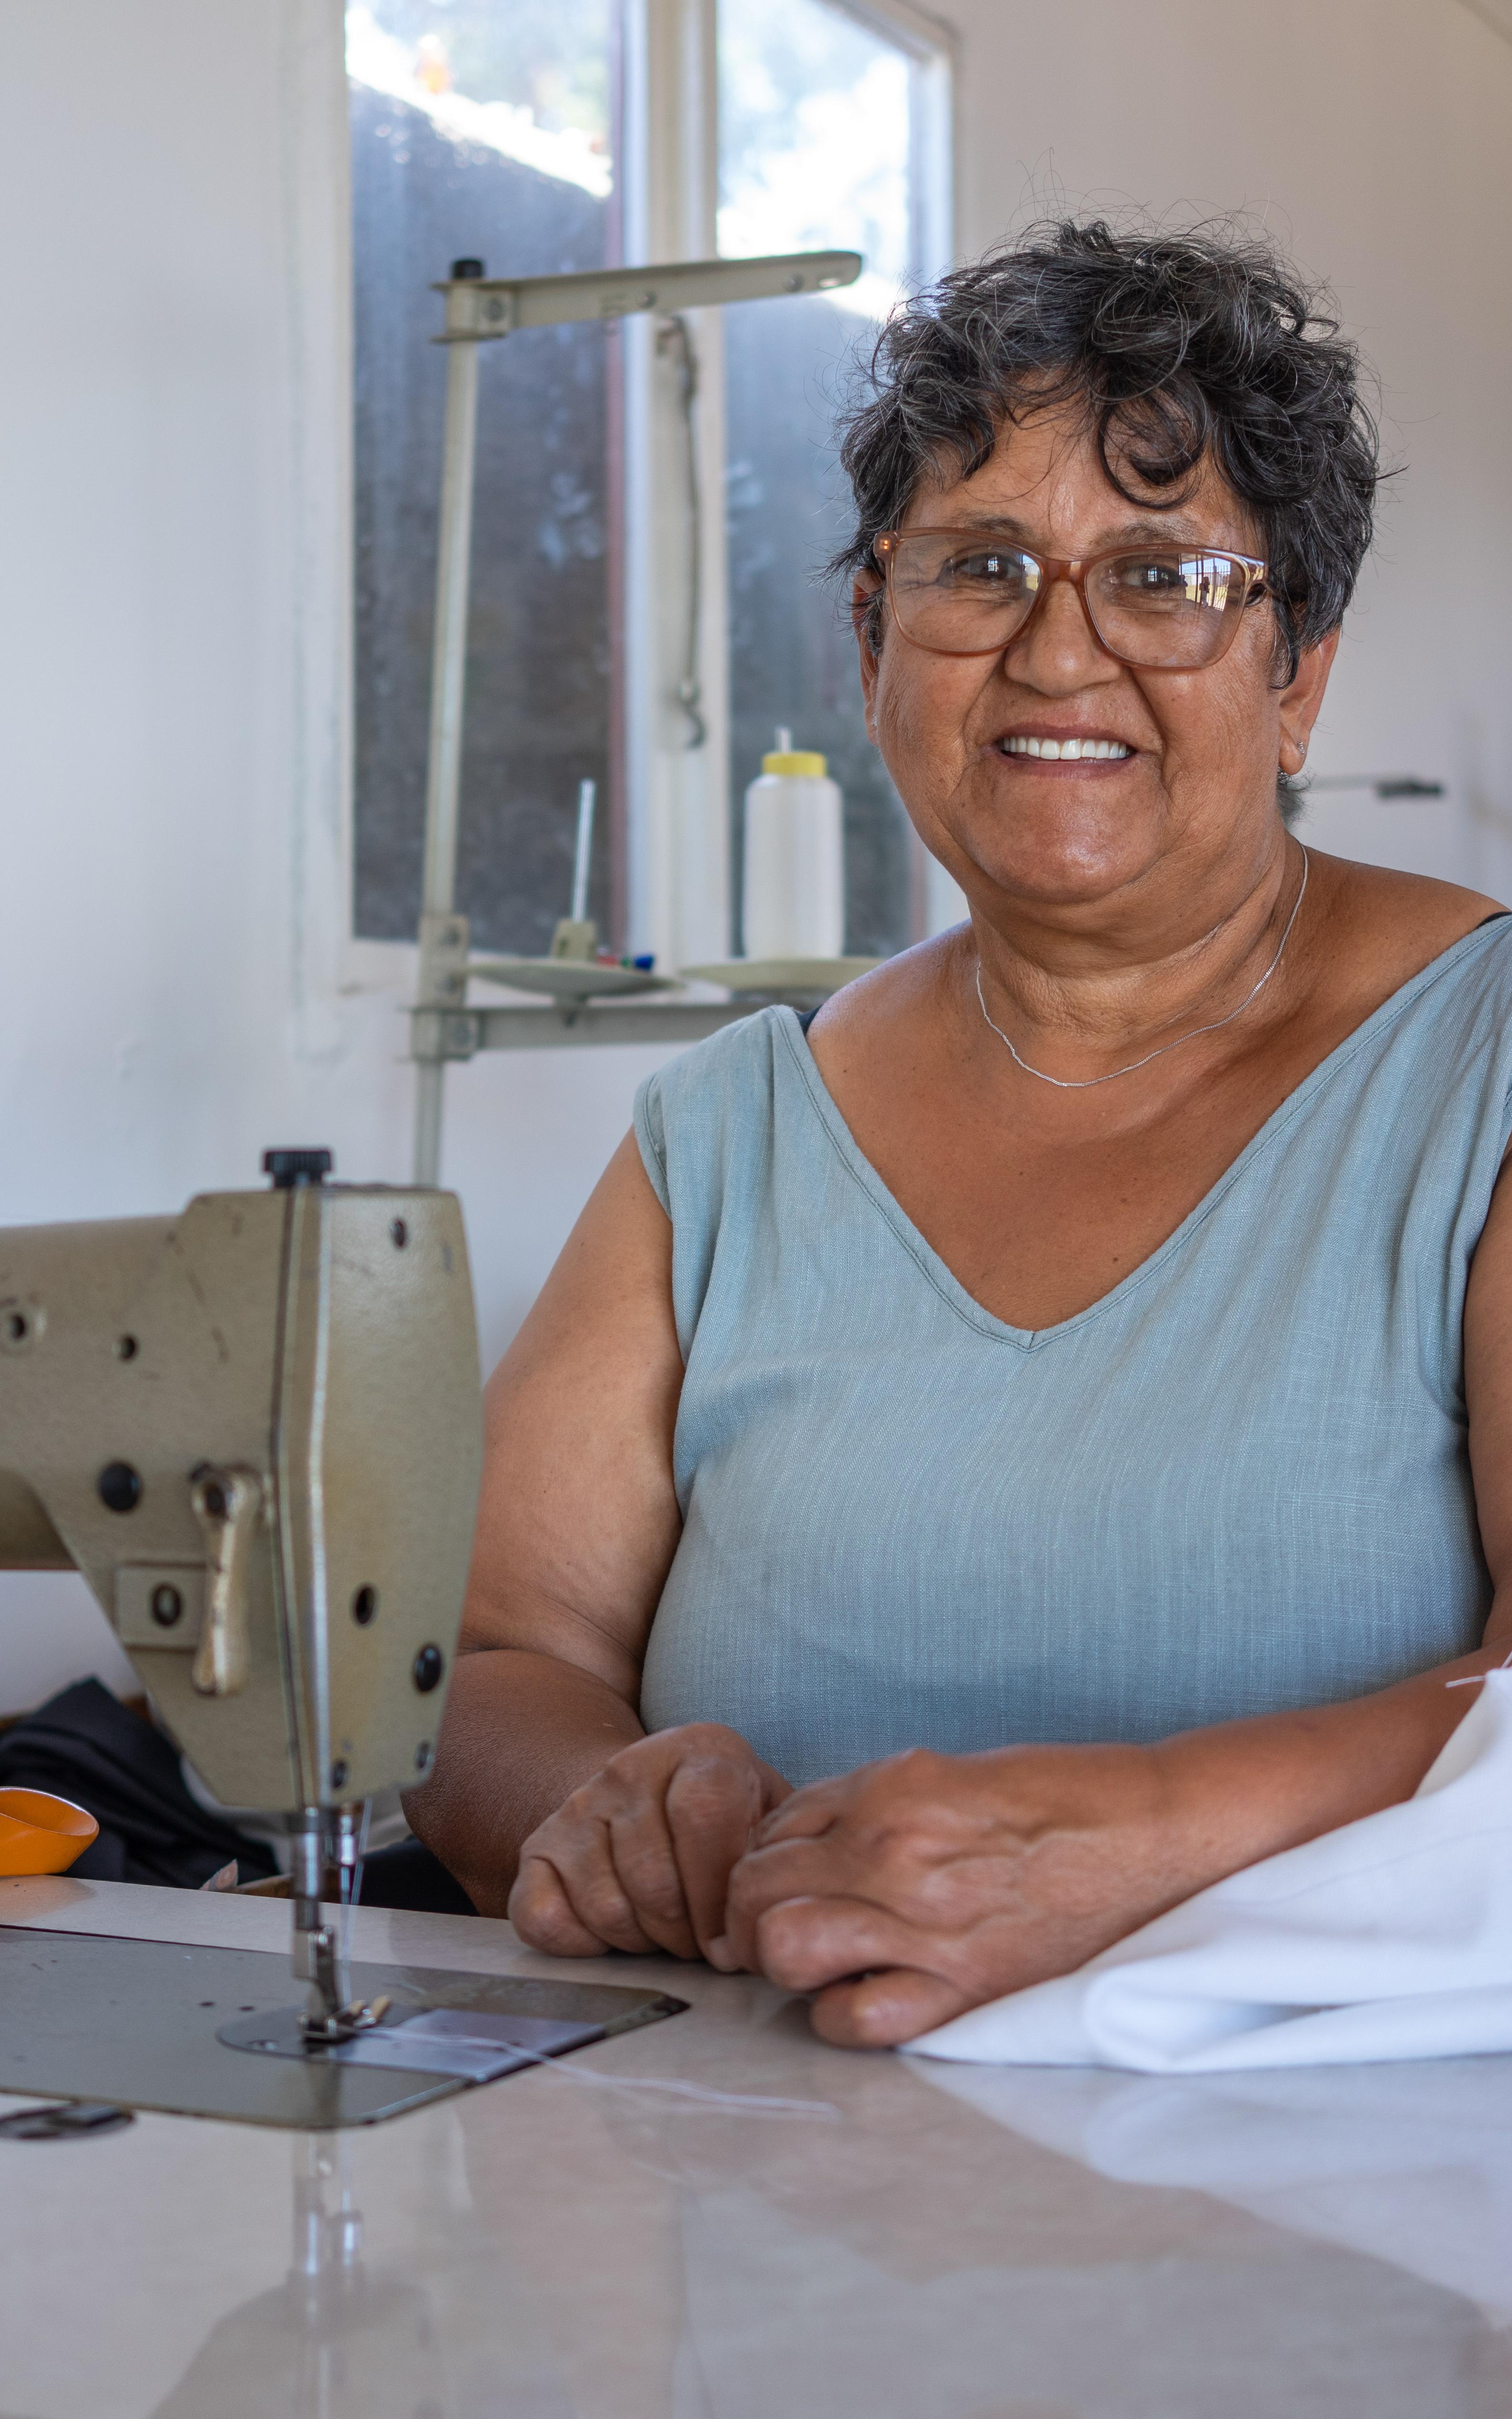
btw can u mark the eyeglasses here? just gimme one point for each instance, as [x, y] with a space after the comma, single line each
[1160, 608]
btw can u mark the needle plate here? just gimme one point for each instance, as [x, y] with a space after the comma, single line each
[139, 2023]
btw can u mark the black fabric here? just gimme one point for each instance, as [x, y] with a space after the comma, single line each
[85, 1745]
[409, 1876]
[807, 1018]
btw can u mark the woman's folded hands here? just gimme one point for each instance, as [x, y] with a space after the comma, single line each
[907, 1891]
[900, 1894]
[912, 1889]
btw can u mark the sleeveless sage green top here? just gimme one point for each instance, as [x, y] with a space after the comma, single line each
[1238, 1483]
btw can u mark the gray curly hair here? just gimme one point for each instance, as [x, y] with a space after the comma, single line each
[1180, 348]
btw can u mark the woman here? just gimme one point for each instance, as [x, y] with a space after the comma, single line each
[989, 1466]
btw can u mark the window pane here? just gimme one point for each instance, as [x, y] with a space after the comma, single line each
[814, 150]
[482, 130]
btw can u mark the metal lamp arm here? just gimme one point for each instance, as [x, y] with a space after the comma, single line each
[478, 310]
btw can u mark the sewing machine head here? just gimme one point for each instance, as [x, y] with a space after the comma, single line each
[255, 1428]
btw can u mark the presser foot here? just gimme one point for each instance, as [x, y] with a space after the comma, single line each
[331, 2014]
[321, 2029]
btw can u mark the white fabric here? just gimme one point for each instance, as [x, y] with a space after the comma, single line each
[1391, 1938]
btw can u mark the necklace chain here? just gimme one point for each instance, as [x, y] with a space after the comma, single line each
[1086, 1083]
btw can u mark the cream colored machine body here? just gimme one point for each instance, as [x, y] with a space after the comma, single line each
[255, 1428]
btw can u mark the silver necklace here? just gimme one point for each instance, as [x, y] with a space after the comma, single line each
[1087, 1082]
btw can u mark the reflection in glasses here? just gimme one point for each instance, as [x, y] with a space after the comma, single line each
[956, 592]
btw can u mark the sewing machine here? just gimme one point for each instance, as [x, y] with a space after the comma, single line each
[254, 1429]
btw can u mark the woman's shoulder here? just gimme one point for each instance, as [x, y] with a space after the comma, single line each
[1380, 929]
[720, 1091]
[728, 1065]
[1416, 911]
[881, 1010]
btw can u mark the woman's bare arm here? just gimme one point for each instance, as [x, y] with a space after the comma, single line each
[912, 1890]
[627, 1841]
[578, 1524]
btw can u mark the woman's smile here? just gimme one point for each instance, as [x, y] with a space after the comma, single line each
[1084, 750]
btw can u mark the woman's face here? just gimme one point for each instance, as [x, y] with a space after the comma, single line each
[1196, 793]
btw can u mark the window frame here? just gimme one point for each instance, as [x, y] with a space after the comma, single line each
[675, 870]
[680, 890]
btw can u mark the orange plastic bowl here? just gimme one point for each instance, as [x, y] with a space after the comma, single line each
[39, 1834]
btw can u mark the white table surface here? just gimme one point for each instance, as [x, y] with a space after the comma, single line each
[935, 2243]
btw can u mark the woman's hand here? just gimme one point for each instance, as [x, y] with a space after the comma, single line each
[910, 1890]
[640, 1857]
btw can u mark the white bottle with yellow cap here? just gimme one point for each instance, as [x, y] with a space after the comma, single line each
[795, 859]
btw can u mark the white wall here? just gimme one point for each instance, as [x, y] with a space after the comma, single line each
[176, 986]
[1372, 137]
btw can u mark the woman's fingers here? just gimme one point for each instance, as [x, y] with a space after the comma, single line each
[789, 1869]
[541, 1912]
[640, 1857]
[871, 1971]
[803, 1813]
[577, 1856]
[646, 1867]
[882, 2009]
[673, 1846]
[719, 1948]
[713, 1805]
[775, 1790]
[806, 1943]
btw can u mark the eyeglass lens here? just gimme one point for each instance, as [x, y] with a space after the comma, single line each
[1161, 607]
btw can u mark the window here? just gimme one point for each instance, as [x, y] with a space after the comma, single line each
[826, 136]
[484, 131]
[617, 522]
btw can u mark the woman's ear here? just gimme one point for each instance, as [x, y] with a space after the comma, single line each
[865, 620]
[1301, 701]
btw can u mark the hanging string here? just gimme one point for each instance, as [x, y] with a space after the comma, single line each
[673, 338]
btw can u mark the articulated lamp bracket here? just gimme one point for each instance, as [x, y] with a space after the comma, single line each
[478, 311]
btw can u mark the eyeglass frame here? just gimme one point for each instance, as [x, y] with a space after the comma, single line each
[1053, 568]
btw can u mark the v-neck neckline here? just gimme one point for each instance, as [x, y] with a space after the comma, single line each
[1026, 1339]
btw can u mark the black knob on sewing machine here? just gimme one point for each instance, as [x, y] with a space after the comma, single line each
[291, 1167]
[120, 1487]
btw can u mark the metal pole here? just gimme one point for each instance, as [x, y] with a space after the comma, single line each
[583, 854]
[439, 980]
